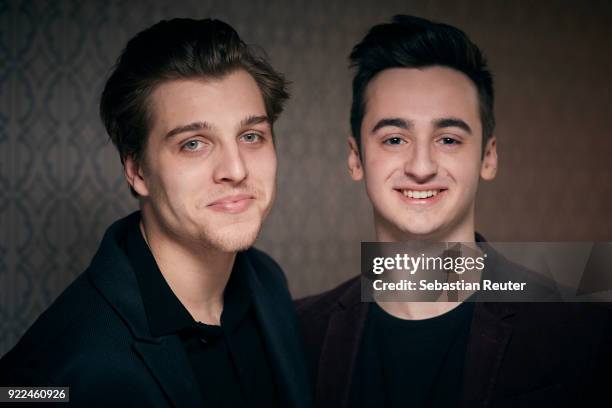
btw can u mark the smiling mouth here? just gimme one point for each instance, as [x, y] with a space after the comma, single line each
[421, 196]
[232, 204]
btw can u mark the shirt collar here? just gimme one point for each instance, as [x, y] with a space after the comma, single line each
[165, 312]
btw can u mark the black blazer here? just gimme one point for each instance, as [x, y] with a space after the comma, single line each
[95, 338]
[518, 354]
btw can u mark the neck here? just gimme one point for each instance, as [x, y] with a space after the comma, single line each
[197, 275]
[462, 232]
[417, 310]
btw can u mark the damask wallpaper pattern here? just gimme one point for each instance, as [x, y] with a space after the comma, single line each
[61, 182]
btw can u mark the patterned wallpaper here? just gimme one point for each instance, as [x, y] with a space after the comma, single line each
[61, 182]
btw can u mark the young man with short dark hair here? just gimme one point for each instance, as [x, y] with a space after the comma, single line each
[176, 309]
[422, 137]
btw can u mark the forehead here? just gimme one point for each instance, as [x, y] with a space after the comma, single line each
[422, 94]
[220, 101]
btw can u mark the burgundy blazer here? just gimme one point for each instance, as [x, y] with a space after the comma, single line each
[518, 354]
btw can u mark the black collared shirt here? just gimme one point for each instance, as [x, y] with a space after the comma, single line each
[229, 361]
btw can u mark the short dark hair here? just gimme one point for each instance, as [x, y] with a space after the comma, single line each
[177, 49]
[413, 42]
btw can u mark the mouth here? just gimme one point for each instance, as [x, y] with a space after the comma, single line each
[233, 204]
[421, 196]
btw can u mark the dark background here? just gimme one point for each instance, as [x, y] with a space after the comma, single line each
[61, 182]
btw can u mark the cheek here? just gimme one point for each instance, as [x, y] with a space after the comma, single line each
[262, 167]
[378, 168]
[271, 165]
[376, 176]
[467, 176]
[181, 177]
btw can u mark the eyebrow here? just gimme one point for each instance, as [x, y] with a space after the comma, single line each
[452, 122]
[408, 125]
[189, 128]
[192, 127]
[254, 120]
[395, 122]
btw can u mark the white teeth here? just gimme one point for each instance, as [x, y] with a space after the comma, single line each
[420, 194]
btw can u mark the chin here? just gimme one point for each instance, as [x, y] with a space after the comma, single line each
[233, 239]
[231, 246]
[420, 232]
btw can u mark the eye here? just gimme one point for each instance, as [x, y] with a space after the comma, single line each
[251, 137]
[449, 141]
[193, 145]
[395, 140]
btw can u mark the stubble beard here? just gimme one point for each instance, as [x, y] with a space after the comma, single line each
[236, 237]
[231, 241]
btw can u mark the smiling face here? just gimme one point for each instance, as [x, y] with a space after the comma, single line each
[421, 154]
[208, 171]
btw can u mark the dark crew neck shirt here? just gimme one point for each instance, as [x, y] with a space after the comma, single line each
[411, 363]
[229, 361]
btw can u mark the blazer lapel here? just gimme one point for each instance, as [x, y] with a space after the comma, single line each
[111, 273]
[340, 348]
[489, 336]
[276, 316]
[490, 333]
[168, 363]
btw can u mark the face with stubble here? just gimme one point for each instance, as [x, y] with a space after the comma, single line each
[208, 173]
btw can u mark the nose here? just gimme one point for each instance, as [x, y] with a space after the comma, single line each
[421, 165]
[230, 167]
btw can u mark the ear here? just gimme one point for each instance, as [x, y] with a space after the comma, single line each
[135, 176]
[354, 160]
[488, 168]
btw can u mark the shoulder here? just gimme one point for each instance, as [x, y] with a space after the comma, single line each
[314, 312]
[267, 270]
[563, 343]
[77, 322]
[324, 303]
[538, 286]
[569, 317]
[73, 308]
